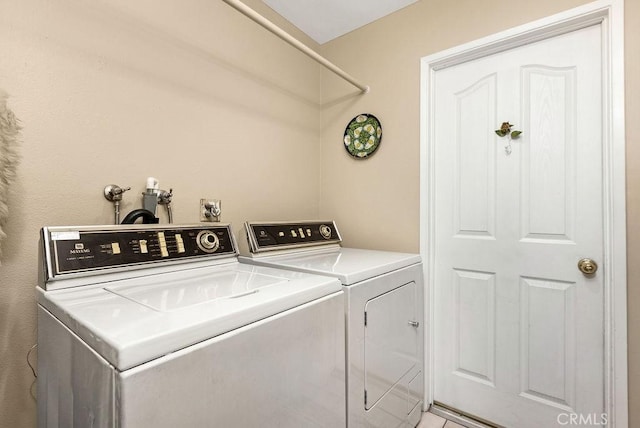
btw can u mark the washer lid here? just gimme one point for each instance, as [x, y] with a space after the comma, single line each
[165, 294]
[132, 321]
[349, 265]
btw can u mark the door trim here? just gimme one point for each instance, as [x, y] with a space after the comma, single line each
[610, 15]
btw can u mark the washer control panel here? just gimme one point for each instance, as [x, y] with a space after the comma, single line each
[78, 249]
[284, 235]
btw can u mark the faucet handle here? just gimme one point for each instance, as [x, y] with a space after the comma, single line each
[113, 192]
[213, 208]
[164, 197]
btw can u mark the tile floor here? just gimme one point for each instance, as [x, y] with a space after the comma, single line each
[429, 420]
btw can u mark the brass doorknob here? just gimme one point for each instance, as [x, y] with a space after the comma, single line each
[587, 266]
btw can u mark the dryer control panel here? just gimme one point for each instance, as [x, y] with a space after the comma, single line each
[286, 235]
[83, 249]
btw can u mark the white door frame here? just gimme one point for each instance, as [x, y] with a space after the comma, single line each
[610, 15]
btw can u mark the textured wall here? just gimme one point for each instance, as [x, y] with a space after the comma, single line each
[362, 195]
[188, 91]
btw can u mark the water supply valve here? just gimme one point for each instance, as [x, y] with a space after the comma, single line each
[113, 193]
[210, 210]
[164, 198]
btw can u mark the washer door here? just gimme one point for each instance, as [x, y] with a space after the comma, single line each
[391, 345]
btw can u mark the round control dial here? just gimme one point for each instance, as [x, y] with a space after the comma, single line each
[207, 241]
[325, 231]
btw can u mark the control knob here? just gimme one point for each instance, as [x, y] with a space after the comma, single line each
[207, 241]
[325, 231]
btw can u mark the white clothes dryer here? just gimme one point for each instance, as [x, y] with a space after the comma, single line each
[384, 312]
[153, 326]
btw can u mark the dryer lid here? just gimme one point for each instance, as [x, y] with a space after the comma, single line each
[349, 265]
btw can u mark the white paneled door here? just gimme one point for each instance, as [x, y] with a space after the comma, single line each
[518, 327]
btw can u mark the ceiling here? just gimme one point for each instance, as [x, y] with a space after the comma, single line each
[324, 20]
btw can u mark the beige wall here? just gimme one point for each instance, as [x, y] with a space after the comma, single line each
[201, 98]
[632, 113]
[188, 91]
[364, 194]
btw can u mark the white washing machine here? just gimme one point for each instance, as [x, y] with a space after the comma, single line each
[153, 326]
[384, 312]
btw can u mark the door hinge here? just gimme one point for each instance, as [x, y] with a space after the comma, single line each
[365, 319]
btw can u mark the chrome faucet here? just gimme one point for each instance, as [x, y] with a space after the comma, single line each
[113, 193]
[164, 198]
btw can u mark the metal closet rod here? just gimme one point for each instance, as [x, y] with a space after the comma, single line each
[255, 16]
